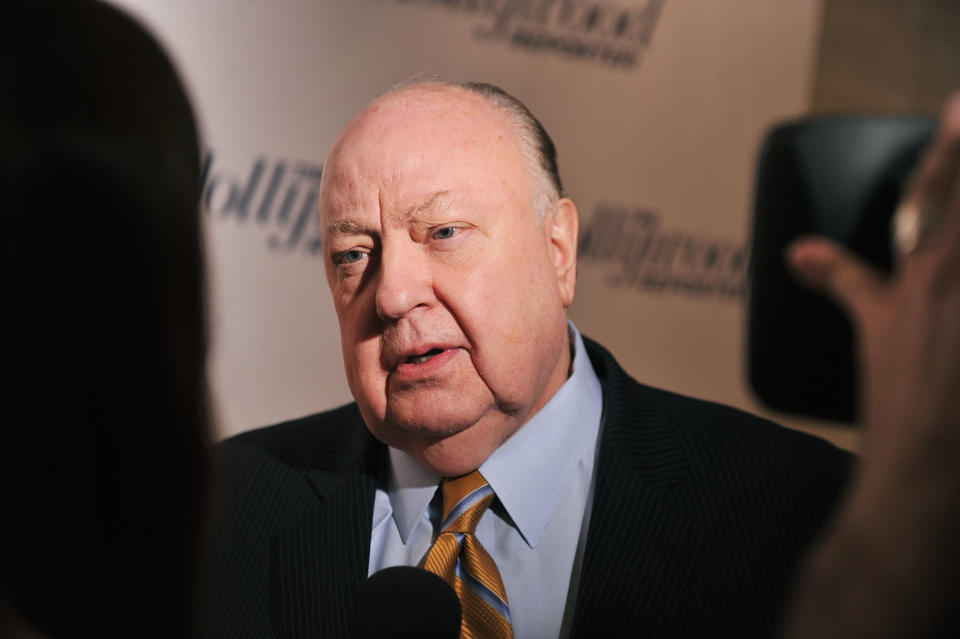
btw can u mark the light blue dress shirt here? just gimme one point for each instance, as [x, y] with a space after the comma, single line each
[535, 531]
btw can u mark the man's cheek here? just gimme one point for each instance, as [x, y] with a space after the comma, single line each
[367, 370]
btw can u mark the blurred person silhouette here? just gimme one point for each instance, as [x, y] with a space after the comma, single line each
[102, 462]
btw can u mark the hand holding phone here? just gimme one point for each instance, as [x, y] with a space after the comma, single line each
[888, 566]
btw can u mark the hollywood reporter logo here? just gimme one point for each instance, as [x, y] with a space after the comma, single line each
[643, 256]
[278, 197]
[606, 31]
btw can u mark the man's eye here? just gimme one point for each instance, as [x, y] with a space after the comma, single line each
[445, 233]
[349, 257]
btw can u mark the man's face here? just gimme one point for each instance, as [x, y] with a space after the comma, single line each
[451, 296]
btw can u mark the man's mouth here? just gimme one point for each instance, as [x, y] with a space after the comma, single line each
[420, 359]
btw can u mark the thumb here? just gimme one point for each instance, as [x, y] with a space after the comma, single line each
[827, 267]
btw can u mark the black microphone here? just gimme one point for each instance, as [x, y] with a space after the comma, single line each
[406, 603]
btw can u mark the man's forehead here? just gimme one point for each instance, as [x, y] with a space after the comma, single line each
[424, 97]
[422, 116]
[417, 149]
[410, 191]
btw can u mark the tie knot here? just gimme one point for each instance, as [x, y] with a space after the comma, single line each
[465, 499]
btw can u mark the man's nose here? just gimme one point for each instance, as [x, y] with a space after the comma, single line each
[405, 280]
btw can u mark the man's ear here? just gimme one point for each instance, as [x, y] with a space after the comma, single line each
[563, 226]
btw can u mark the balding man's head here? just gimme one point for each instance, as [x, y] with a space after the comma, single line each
[450, 285]
[535, 142]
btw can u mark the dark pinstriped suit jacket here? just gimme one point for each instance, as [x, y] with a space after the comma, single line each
[700, 515]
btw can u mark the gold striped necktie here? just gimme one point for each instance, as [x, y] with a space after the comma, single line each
[459, 558]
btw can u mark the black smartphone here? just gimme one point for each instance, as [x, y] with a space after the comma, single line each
[841, 177]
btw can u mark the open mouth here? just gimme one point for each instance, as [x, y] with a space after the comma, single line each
[420, 359]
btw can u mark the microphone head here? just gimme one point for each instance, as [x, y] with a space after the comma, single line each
[406, 602]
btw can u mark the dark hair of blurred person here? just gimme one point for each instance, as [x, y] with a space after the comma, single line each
[106, 413]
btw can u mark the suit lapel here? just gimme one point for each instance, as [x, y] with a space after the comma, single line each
[321, 561]
[641, 545]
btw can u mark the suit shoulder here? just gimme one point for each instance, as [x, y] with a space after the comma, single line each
[713, 424]
[265, 492]
[276, 458]
[295, 438]
[719, 444]
[748, 472]
[702, 424]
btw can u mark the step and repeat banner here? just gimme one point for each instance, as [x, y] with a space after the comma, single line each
[657, 108]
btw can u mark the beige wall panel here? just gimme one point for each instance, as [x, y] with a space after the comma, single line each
[888, 55]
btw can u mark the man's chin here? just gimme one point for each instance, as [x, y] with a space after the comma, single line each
[448, 445]
[455, 455]
[427, 427]
[435, 415]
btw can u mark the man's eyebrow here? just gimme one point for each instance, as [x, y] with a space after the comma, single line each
[429, 202]
[350, 227]
[347, 227]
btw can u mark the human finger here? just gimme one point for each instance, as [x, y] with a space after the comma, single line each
[929, 200]
[829, 268]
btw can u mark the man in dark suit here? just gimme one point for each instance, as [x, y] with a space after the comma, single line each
[616, 509]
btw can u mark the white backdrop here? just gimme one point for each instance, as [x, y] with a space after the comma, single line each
[657, 108]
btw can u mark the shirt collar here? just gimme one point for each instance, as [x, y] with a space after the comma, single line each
[530, 471]
[411, 489]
